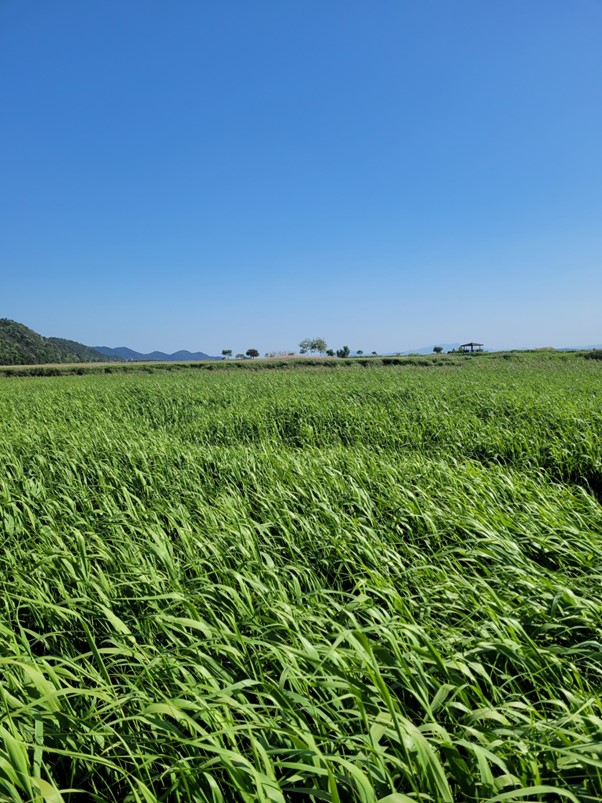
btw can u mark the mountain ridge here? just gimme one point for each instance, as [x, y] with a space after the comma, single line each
[20, 345]
[125, 353]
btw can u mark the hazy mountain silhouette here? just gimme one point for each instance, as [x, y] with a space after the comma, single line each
[125, 353]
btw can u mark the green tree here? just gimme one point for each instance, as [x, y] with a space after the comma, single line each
[438, 349]
[252, 353]
[313, 344]
[226, 353]
[330, 352]
[240, 356]
[344, 352]
[360, 352]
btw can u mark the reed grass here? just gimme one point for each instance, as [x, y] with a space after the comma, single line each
[358, 585]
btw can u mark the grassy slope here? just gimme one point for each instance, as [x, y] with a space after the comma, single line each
[20, 345]
[303, 585]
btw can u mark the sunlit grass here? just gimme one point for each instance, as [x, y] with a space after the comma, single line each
[364, 585]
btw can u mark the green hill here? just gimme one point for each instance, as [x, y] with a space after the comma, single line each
[20, 345]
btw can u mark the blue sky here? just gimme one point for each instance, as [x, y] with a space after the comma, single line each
[387, 174]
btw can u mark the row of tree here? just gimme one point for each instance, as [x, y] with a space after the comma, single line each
[252, 353]
[312, 345]
[319, 344]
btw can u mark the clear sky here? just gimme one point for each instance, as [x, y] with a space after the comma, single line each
[389, 174]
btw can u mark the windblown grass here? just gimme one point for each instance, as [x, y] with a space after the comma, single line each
[353, 586]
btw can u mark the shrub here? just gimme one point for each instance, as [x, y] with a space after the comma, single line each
[594, 354]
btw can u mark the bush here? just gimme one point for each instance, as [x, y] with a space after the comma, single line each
[594, 354]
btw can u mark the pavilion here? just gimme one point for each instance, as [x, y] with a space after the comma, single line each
[471, 347]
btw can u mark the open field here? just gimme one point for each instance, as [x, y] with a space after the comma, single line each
[281, 585]
[285, 362]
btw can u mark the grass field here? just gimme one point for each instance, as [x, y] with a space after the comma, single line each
[369, 584]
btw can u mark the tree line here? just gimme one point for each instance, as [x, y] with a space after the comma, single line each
[251, 353]
[309, 345]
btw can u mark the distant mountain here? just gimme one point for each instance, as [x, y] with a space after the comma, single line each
[449, 346]
[85, 353]
[429, 349]
[20, 345]
[124, 353]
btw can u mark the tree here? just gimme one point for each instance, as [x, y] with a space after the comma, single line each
[438, 349]
[226, 353]
[313, 344]
[240, 356]
[374, 354]
[329, 352]
[252, 353]
[344, 352]
[360, 352]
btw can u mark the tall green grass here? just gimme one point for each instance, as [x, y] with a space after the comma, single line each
[364, 585]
